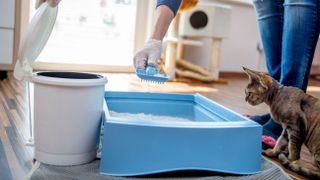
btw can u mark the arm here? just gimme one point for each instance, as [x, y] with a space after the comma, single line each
[166, 10]
[52, 3]
[163, 19]
[151, 52]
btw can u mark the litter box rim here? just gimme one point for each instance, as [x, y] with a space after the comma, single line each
[196, 98]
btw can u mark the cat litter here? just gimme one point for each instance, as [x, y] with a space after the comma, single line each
[147, 117]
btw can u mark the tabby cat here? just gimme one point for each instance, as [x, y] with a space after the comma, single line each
[299, 115]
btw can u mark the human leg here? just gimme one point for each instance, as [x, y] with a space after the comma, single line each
[270, 20]
[300, 36]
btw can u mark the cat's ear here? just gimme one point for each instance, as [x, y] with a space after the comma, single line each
[265, 79]
[258, 77]
[253, 75]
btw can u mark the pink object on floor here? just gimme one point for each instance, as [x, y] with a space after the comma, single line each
[269, 140]
[247, 115]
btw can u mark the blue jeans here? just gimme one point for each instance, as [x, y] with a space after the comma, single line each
[289, 31]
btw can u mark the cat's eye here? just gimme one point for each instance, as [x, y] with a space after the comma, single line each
[248, 93]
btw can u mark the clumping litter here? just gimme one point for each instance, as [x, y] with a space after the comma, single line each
[148, 117]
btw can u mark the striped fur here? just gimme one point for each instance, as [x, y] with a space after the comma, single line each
[297, 112]
[309, 172]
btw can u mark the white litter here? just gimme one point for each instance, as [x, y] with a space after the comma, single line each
[148, 117]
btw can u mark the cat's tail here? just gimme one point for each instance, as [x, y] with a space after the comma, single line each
[304, 171]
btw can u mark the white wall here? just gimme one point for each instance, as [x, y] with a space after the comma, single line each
[6, 46]
[240, 48]
[315, 68]
[7, 11]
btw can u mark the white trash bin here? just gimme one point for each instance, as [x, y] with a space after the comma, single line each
[67, 113]
[67, 105]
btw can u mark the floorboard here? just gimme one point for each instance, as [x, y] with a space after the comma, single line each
[16, 157]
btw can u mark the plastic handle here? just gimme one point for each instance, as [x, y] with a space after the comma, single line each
[151, 70]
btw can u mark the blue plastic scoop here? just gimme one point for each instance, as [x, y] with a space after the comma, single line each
[151, 74]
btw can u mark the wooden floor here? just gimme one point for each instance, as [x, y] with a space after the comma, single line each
[16, 157]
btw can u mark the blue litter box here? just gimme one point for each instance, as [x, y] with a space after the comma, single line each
[211, 137]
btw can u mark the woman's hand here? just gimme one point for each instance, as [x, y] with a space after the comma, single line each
[151, 52]
[148, 55]
[52, 3]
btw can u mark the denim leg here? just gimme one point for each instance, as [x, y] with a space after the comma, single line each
[270, 21]
[300, 36]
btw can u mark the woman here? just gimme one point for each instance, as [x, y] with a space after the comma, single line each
[289, 31]
[52, 3]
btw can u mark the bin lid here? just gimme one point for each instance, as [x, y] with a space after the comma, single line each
[34, 40]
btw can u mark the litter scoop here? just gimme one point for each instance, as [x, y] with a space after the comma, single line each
[151, 74]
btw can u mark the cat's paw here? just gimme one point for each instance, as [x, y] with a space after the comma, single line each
[270, 153]
[293, 157]
[295, 166]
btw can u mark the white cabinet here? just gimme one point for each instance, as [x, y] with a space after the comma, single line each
[239, 48]
[7, 9]
[6, 46]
